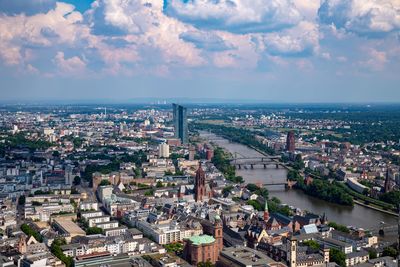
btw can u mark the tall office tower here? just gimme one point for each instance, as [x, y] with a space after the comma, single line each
[180, 123]
[290, 142]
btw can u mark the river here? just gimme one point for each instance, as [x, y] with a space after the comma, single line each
[358, 216]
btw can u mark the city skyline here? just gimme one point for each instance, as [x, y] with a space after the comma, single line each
[297, 51]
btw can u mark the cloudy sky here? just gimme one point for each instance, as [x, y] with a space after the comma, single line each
[272, 50]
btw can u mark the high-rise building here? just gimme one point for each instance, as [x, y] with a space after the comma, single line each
[68, 175]
[180, 123]
[163, 150]
[290, 142]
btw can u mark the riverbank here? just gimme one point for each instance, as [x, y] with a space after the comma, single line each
[357, 202]
[375, 208]
[358, 215]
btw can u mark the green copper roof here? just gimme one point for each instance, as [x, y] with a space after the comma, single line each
[201, 239]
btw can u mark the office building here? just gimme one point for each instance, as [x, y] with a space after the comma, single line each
[163, 150]
[180, 123]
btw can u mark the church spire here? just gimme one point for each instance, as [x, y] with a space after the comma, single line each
[266, 212]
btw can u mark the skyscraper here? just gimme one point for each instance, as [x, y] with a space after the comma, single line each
[290, 142]
[180, 123]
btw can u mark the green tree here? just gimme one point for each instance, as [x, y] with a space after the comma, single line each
[337, 256]
[252, 187]
[94, 231]
[174, 247]
[36, 203]
[21, 200]
[149, 192]
[30, 232]
[77, 142]
[227, 190]
[339, 227]
[372, 254]
[168, 173]
[256, 205]
[179, 172]
[104, 182]
[392, 197]
[205, 264]
[77, 180]
[57, 251]
[390, 251]
[314, 245]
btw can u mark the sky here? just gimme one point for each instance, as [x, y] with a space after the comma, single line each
[266, 50]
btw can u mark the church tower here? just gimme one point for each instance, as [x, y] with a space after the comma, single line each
[200, 184]
[292, 252]
[388, 183]
[266, 212]
[22, 247]
[218, 233]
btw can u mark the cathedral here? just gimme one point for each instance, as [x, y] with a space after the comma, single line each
[202, 190]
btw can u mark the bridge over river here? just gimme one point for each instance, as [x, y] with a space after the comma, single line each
[274, 179]
[261, 162]
[253, 162]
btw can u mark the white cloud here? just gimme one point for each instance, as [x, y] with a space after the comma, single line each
[72, 65]
[207, 40]
[364, 17]
[143, 23]
[308, 8]
[124, 16]
[134, 37]
[244, 53]
[302, 39]
[376, 60]
[20, 31]
[236, 15]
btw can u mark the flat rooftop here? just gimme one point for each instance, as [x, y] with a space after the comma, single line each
[245, 256]
[69, 226]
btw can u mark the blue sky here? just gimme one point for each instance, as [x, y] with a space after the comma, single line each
[272, 50]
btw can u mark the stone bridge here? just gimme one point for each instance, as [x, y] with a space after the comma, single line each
[253, 162]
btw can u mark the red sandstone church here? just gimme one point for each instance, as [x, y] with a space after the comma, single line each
[201, 190]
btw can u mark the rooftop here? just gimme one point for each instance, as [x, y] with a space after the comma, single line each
[69, 226]
[244, 256]
[201, 239]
